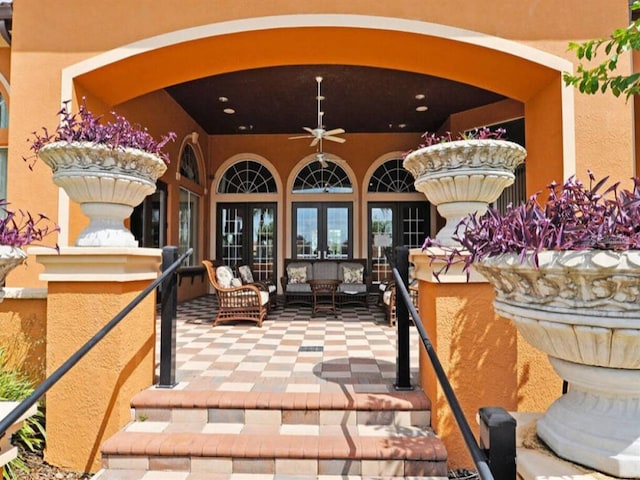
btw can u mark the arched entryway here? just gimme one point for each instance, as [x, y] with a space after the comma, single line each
[518, 72]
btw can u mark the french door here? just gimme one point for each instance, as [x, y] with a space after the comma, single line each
[149, 219]
[247, 236]
[322, 230]
[393, 224]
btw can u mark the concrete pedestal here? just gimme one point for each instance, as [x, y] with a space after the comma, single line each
[87, 287]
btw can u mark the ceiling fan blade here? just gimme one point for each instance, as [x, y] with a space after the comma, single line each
[301, 136]
[334, 139]
[314, 142]
[307, 129]
[335, 131]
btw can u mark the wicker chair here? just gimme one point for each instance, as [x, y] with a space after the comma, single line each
[388, 301]
[236, 303]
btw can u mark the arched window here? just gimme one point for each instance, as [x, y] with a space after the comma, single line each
[189, 164]
[314, 178]
[391, 176]
[247, 176]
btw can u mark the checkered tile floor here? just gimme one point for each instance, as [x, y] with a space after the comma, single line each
[292, 351]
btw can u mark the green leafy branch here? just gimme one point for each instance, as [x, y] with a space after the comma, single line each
[599, 78]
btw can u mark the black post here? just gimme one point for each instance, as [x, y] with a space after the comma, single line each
[498, 440]
[403, 344]
[168, 312]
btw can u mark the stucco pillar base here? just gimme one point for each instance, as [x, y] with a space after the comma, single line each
[88, 286]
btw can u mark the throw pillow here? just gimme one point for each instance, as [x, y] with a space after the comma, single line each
[297, 274]
[352, 275]
[245, 274]
[236, 282]
[224, 275]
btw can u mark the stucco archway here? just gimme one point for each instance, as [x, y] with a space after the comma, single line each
[509, 68]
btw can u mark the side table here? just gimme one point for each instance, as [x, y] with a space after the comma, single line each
[324, 295]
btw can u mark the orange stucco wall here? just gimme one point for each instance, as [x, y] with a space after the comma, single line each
[22, 335]
[43, 43]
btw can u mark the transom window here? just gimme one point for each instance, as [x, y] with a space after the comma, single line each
[314, 178]
[189, 164]
[247, 176]
[392, 177]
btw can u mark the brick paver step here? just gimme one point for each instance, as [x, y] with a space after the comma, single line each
[401, 408]
[417, 453]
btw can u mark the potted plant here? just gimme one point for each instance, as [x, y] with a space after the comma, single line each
[463, 174]
[19, 229]
[567, 273]
[106, 167]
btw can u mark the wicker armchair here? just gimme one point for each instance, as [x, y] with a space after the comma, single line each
[235, 303]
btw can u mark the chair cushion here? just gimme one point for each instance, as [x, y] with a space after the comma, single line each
[246, 275]
[298, 288]
[352, 288]
[386, 297]
[325, 270]
[224, 275]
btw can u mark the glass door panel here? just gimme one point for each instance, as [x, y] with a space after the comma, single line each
[306, 232]
[231, 227]
[381, 228]
[337, 240]
[263, 243]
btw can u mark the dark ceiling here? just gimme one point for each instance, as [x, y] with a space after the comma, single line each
[358, 99]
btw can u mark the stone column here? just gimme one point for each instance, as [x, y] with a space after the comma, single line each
[481, 353]
[87, 287]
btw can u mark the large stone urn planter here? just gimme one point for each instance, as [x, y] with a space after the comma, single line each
[107, 183]
[10, 258]
[463, 176]
[582, 308]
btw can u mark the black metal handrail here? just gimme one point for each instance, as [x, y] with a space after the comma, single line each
[50, 381]
[477, 454]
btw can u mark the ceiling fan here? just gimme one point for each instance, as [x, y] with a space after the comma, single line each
[319, 133]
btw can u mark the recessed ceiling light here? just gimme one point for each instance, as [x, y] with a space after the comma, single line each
[420, 96]
[223, 99]
[242, 127]
[402, 125]
[422, 108]
[229, 111]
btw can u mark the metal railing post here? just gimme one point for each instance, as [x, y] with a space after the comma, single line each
[168, 312]
[403, 360]
[498, 440]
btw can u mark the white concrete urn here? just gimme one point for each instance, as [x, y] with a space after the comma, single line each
[10, 258]
[582, 308]
[107, 183]
[463, 176]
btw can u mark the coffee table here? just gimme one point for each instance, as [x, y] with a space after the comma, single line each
[324, 295]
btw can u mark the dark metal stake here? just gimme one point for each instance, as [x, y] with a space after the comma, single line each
[168, 313]
[403, 359]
